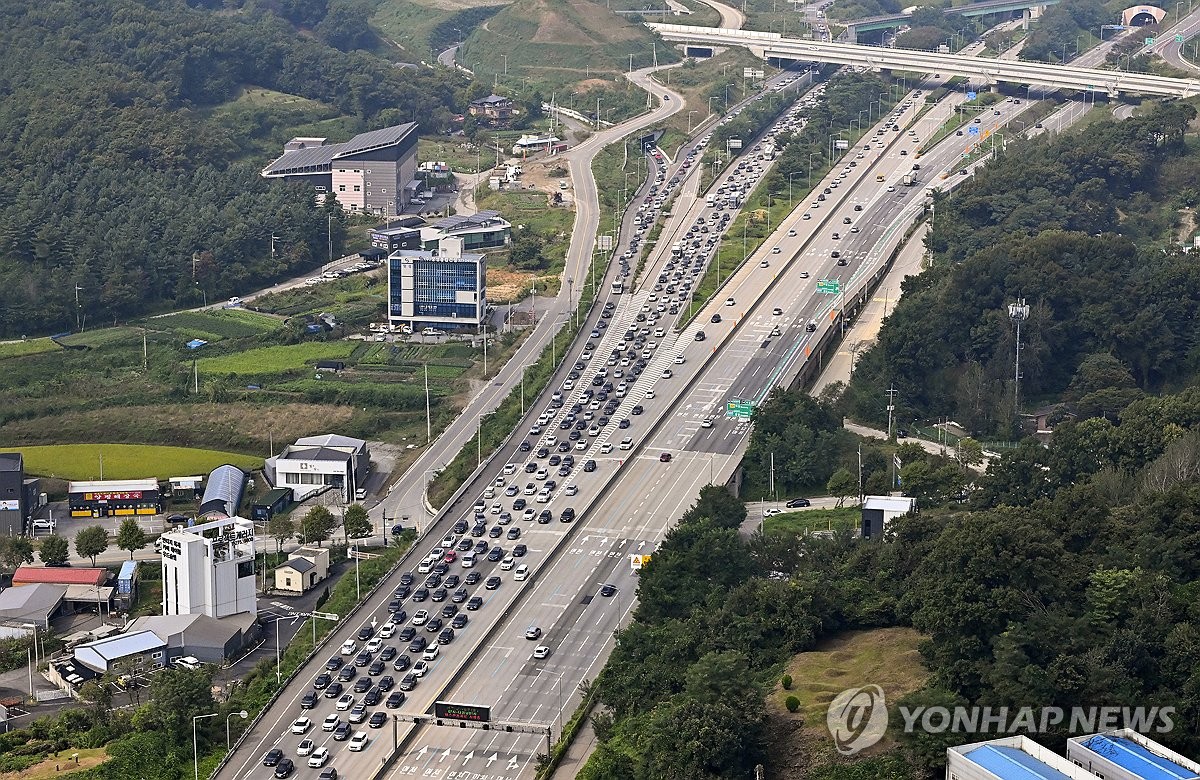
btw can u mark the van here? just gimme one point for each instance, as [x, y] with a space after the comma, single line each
[468, 560]
[522, 573]
[879, 177]
[434, 331]
[188, 662]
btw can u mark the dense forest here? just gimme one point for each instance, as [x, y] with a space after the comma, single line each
[123, 188]
[1070, 580]
[1081, 226]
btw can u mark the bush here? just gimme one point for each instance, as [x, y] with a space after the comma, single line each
[792, 704]
[787, 682]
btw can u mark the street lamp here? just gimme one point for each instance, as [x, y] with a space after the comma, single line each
[241, 714]
[690, 119]
[790, 175]
[196, 743]
[278, 674]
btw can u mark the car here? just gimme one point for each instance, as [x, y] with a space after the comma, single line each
[408, 682]
[445, 636]
[395, 700]
[362, 659]
[540, 652]
[699, 337]
[716, 318]
[334, 690]
[347, 674]
[358, 742]
[386, 683]
[345, 702]
[273, 757]
[460, 621]
[607, 590]
[328, 773]
[387, 654]
[431, 653]
[330, 723]
[318, 757]
[434, 625]
[386, 631]
[349, 647]
[492, 583]
[378, 720]
[362, 685]
[365, 633]
[284, 768]
[474, 603]
[308, 700]
[342, 732]
[729, 302]
[358, 713]
[798, 502]
[373, 696]
[533, 632]
[590, 465]
[406, 634]
[420, 617]
[306, 747]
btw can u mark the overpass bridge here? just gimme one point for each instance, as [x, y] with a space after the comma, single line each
[985, 8]
[980, 69]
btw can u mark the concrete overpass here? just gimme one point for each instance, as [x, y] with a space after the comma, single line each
[979, 69]
[985, 8]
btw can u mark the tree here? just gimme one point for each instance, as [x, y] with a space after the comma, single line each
[15, 551]
[281, 528]
[130, 536]
[969, 452]
[719, 505]
[54, 550]
[175, 696]
[842, 484]
[317, 525]
[356, 522]
[90, 542]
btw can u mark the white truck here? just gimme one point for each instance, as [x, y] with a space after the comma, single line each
[909, 180]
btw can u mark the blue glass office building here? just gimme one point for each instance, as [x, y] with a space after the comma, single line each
[443, 289]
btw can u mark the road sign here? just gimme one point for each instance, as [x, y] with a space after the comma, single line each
[971, 95]
[326, 615]
[471, 712]
[1178, 39]
[638, 561]
[738, 408]
[829, 286]
[605, 242]
[972, 130]
[1149, 41]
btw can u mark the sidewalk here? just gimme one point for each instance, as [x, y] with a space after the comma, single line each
[865, 329]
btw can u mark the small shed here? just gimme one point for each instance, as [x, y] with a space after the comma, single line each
[306, 567]
[275, 501]
[331, 365]
[878, 511]
[127, 581]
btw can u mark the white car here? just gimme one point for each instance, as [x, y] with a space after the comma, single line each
[358, 741]
[420, 668]
[605, 448]
[508, 563]
[627, 443]
[420, 617]
[772, 512]
[387, 631]
[305, 747]
[301, 725]
[679, 361]
[374, 646]
[330, 723]
[572, 490]
[345, 703]
[729, 302]
[541, 651]
[708, 422]
[349, 647]
[318, 757]
[510, 468]
[431, 653]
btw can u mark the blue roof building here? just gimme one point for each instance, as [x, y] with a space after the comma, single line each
[1010, 758]
[1128, 755]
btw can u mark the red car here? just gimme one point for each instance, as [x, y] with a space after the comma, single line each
[665, 457]
[451, 556]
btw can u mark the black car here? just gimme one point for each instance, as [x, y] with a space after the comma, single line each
[363, 659]
[439, 595]
[373, 697]
[418, 644]
[590, 465]
[460, 620]
[479, 530]
[452, 581]
[341, 732]
[335, 663]
[378, 719]
[473, 578]
[387, 654]
[386, 683]
[394, 605]
[395, 700]
[334, 690]
[519, 551]
[567, 515]
[496, 532]
[798, 502]
[403, 591]
[514, 533]
[285, 768]
[273, 757]
[449, 611]
[474, 603]
[433, 580]
[328, 773]
[402, 663]
[308, 700]
[362, 684]
[492, 583]
[446, 636]
[637, 409]
[715, 318]
[525, 446]
[409, 682]
[406, 634]
[347, 674]
[377, 668]
[365, 633]
[434, 625]
[421, 594]
[496, 553]
[407, 578]
[544, 516]
[459, 596]
[624, 424]
[460, 527]
[519, 504]
[607, 590]
[322, 680]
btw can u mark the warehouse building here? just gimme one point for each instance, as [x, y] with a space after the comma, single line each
[317, 463]
[114, 497]
[223, 493]
[20, 496]
[275, 500]
[373, 172]
[208, 569]
[100, 655]
[32, 604]
[1010, 758]
[446, 287]
[879, 511]
[206, 638]
[481, 230]
[1127, 755]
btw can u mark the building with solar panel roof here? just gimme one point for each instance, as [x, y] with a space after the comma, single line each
[373, 172]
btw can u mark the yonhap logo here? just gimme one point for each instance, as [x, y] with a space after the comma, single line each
[857, 718]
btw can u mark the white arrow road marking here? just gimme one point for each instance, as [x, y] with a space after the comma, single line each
[423, 751]
[445, 755]
[468, 757]
[512, 762]
[493, 757]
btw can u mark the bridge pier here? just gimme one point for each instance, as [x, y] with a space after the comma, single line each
[1026, 15]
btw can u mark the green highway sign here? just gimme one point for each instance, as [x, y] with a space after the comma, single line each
[1178, 39]
[1149, 41]
[739, 409]
[830, 286]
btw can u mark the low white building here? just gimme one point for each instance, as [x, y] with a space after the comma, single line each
[208, 569]
[1010, 758]
[1127, 755]
[316, 462]
[304, 569]
[878, 511]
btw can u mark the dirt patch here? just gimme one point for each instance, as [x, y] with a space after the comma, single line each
[61, 767]
[1187, 225]
[506, 285]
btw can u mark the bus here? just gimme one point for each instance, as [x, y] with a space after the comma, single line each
[618, 287]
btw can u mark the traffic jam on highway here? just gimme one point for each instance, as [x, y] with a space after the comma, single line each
[589, 424]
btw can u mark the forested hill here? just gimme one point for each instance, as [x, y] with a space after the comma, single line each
[1085, 227]
[117, 173]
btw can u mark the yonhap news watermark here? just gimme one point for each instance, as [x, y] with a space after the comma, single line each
[858, 718]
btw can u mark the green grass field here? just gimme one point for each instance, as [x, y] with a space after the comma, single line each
[127, 461]
[275, 360]
[844, 519]
[216, 325]
[28, 347]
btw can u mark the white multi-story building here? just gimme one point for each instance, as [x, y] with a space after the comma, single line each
[208, 569]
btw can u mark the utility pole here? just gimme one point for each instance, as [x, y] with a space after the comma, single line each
[771, 478]
[79, 309]
[329, 228]
[891, 408]
[428, 424]
[1017, 312]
